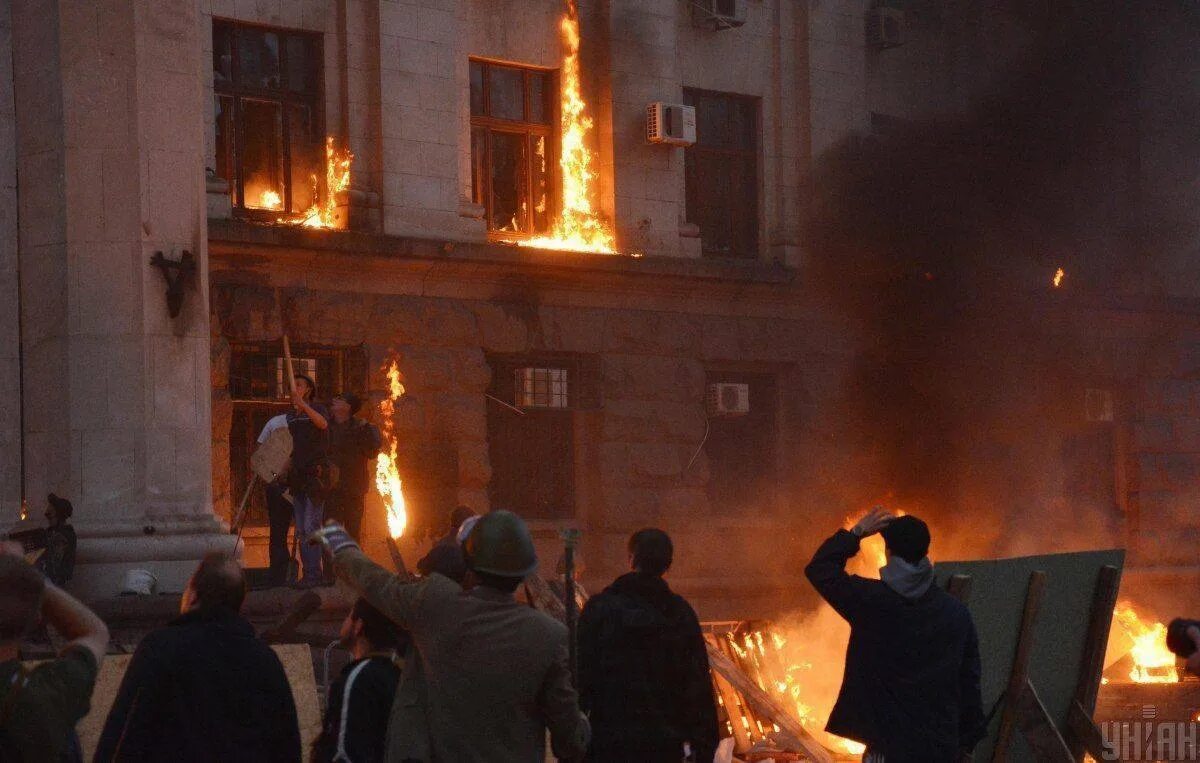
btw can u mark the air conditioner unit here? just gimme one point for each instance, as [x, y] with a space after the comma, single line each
[670, 123]
[885, 27]
[728, 400]
[718, 14]
[540, 388]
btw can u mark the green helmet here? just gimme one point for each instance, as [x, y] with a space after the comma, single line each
[500, 544]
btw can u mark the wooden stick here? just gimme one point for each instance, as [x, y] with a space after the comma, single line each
[730, 700]
[1020, 667]
[1080, 737]
[792, 731]
[1039, 730]
[287, 366]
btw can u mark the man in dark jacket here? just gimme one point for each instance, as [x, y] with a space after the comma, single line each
[360, 700]
[352, 443]
[204, 688]
[643, 667]
[56, 541]
[910, 691]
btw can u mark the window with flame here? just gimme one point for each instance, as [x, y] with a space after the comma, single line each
[512, 147]
[721, 173]
[266, 97]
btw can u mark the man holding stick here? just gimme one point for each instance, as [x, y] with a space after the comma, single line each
[312, 475]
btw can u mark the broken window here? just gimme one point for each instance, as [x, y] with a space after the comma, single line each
[531, 435]
[721, 173]
[266, 85]
[511, 147]
[742, 442]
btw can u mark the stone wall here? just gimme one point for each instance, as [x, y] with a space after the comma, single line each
[632, 451]
[10, 381]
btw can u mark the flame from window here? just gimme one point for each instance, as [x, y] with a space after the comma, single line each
[323, 212]
[387, 475]
[270, 199]
[579, 227]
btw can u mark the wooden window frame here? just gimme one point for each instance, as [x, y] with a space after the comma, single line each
[481, 187]
[751, 154]
[284, 96]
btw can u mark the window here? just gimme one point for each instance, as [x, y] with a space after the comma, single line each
[259, 391]
[511, 147]
[741, 449]
[266, 95]
[531, 435]
[721, 173]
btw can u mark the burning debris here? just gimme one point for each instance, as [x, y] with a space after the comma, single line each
[387, 475]
[1144, 643]
[323, 211]
[1059, 275]
[579, 227]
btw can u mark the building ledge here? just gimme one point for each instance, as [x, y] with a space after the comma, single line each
[229, 238]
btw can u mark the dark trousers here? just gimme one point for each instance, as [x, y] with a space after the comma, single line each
[348, 509]
[279, 515]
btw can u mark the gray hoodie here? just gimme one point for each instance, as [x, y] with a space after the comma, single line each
[909, 580]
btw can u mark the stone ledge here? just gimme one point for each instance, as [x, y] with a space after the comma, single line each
[231, 237]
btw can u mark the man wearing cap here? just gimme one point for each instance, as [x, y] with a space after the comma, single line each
[353, 443]
[495, 673]
[56, 540]
[910, 691]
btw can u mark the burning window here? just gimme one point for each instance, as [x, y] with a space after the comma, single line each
[721, 173]
[742, 441]
[531, 436]
[512, 156]
[266, 85]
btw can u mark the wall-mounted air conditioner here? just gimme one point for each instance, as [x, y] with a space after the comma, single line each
[727, 400]
[671, 123]
[718, 14]
[885, 27]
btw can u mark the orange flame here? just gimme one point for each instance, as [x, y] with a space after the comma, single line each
[387, 476]
[1153, 663]
[1059, 275]
[323, 213]
[269, 199]
[579, 227]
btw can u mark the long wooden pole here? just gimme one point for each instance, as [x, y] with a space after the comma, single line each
[287, 365]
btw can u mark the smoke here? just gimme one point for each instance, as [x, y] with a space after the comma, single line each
[941, 238]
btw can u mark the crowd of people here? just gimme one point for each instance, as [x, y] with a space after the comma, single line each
[448, 664]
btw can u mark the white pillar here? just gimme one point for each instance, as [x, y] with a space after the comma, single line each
[110, 170]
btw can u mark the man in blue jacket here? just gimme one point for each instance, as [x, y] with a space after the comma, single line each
[910, 691]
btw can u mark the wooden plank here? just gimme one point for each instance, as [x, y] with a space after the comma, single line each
[1018, 678]
[767, 706]
[1038, 728]
[1091, 666]
[732, 702]
[1082, 728]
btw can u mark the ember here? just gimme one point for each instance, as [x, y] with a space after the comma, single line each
[387, 476]
[579, 227]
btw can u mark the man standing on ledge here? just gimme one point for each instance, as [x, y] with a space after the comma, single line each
[910, 691]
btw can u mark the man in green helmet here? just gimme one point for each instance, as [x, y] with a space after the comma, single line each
[492, 674]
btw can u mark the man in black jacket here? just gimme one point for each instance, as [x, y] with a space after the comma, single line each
[910, 691]
[360, 700]
[352, 444]
[643, 667]
[204, 688]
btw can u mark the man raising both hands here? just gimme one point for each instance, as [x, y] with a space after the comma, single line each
[910, 691]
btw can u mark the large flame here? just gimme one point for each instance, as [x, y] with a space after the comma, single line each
[579, 226]
[1153, 663]
[387, 475]
[322, 214]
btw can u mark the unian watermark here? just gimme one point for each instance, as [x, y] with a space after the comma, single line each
[1150, 738]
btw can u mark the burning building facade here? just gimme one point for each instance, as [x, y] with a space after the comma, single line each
[739, 335]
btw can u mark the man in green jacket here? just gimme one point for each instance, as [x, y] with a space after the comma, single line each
[493, 673]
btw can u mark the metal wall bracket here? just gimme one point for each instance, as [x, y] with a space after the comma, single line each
[178, 274]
